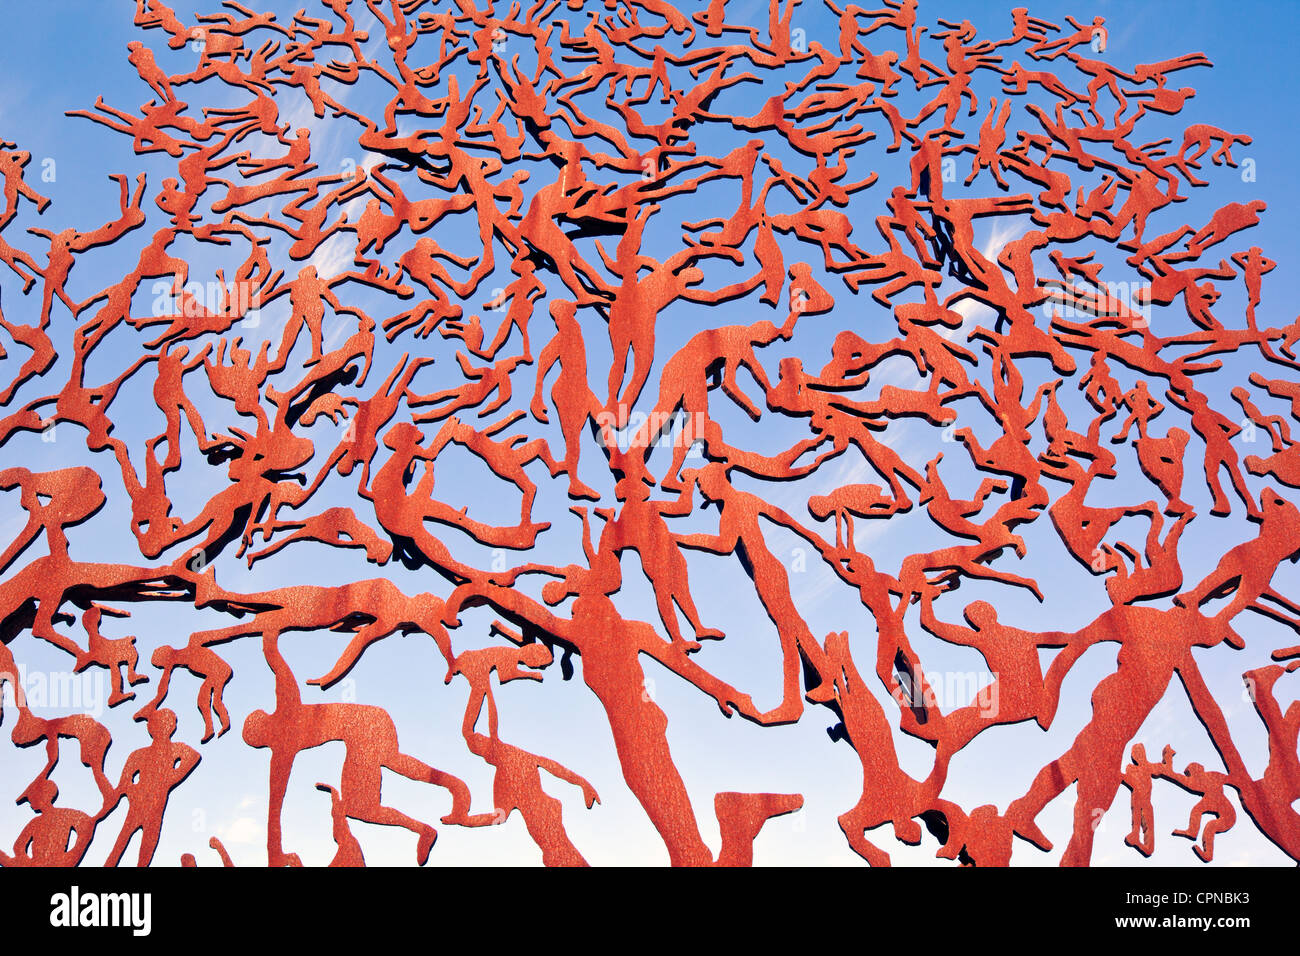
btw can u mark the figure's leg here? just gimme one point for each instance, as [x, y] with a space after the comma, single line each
[123, 838]
[855, 831]
[360, 792]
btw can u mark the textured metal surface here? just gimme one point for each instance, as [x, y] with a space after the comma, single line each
[620, 141]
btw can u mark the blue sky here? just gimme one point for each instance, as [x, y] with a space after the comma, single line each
[70, 54]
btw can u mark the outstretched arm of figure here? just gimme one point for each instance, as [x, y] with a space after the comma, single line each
[129, 770]
[785, 519]
[549, 356]
[588, 551]
[1177, 398]
[20, 543]
[1036, 404]
[675, 659]
[684, 504]
[1211, 716]
[286, 685]
[717, 543]
[184, 764]
[952, 633]
[473, 710]
[561, 772]
[1076, 644]
[281, 766]
[732, 388]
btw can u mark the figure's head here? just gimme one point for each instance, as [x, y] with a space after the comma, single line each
[820, 506]
[403, 435]
[849, 349]
[162, 724]
[562, 310]
[765, 331]
[1272, 501]
[40, 795]
[535, 655]
[1283, 515]
[712, 481]
[257, 729]
[980, 614]
[631, 488]
[553, 592]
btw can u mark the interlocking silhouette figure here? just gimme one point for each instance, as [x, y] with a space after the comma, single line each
[706, 370]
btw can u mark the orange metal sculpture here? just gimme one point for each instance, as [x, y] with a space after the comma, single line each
[567, 168]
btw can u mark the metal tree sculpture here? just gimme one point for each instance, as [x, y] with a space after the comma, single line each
[549, 168]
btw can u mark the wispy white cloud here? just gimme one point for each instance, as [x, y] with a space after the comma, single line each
[245, 831]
